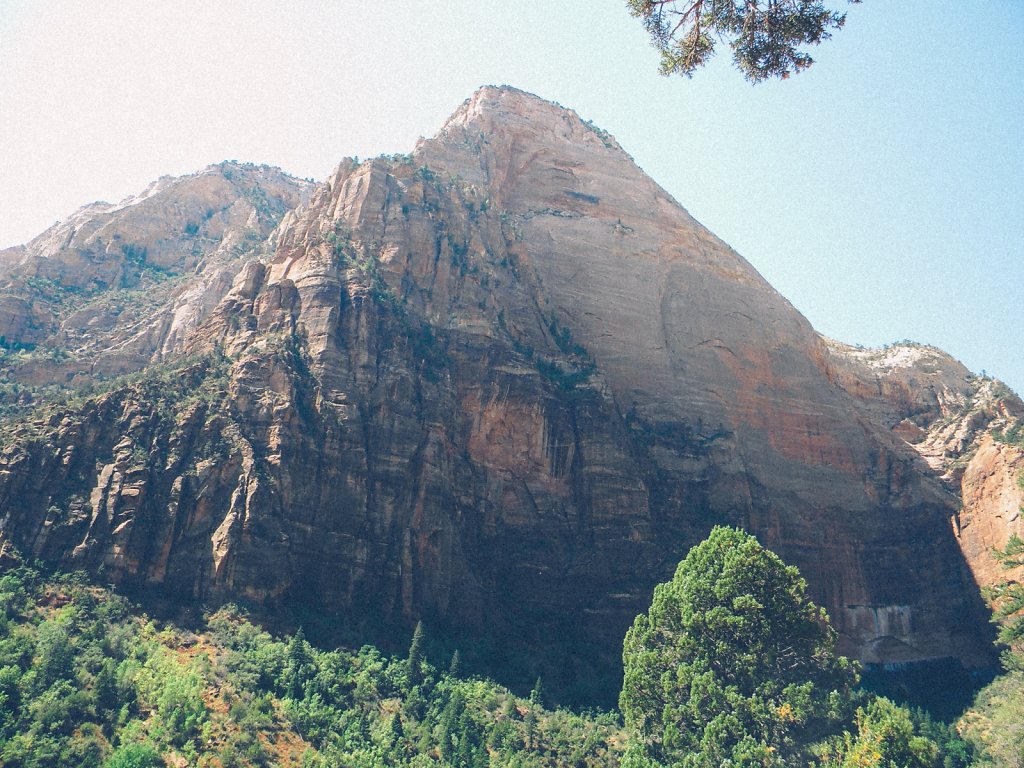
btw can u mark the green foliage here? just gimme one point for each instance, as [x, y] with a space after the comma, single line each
[1012, 435]
[77, 674]
[994, 724]
[885, 739]
[87, 681]
[732, 664]
[299, 667]
[165, 390]
[179, 705]
[952, 750]
[134, 254]
[601, 133]
[362, 257]
[537, 694]
[84, 681]
[415, 658]
[767, 37]
[572, 371]
[135, 756]
[1007, 600]
[455, 666]
[49, 290]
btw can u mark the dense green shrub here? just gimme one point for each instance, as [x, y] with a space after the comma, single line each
[732, 664]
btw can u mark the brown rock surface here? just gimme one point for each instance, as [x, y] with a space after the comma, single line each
[993, 497]
[503, 384]
[966, 428]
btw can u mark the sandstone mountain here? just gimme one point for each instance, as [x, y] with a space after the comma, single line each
[502, 384]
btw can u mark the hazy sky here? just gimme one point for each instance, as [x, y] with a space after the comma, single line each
[882, 192]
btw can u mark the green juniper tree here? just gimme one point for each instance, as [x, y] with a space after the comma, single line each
[733, 664]
[767, 37]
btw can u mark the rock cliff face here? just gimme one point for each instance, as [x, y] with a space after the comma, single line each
[115, 287]
[503, 384]
[965, 427]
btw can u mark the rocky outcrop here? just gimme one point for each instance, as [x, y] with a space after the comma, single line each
[966, 427]
[115, 287]
[993, 500]
[503, 384]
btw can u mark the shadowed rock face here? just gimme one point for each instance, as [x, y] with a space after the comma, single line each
[502, 384]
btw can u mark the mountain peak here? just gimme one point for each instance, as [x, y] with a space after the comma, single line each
[508, 97]
[494, 107]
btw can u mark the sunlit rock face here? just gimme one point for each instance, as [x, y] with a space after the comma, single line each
[501, 384]
[117, 286]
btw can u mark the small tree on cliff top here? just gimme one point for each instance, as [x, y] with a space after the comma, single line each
[732, 664]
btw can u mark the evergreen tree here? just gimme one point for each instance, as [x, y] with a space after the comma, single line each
[106, 689]
[767, 37]
[530, 728]
[54, 654]
[451, 721]
[397, 731]
[732, 664]
[464, 753]
[481, 758]
[297, 670]
[416, 703]
[415, 659]
[537, 694]
[364, 728]
[1008, 603]
[455, 667]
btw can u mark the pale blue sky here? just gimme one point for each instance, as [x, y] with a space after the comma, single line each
[882, 192]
